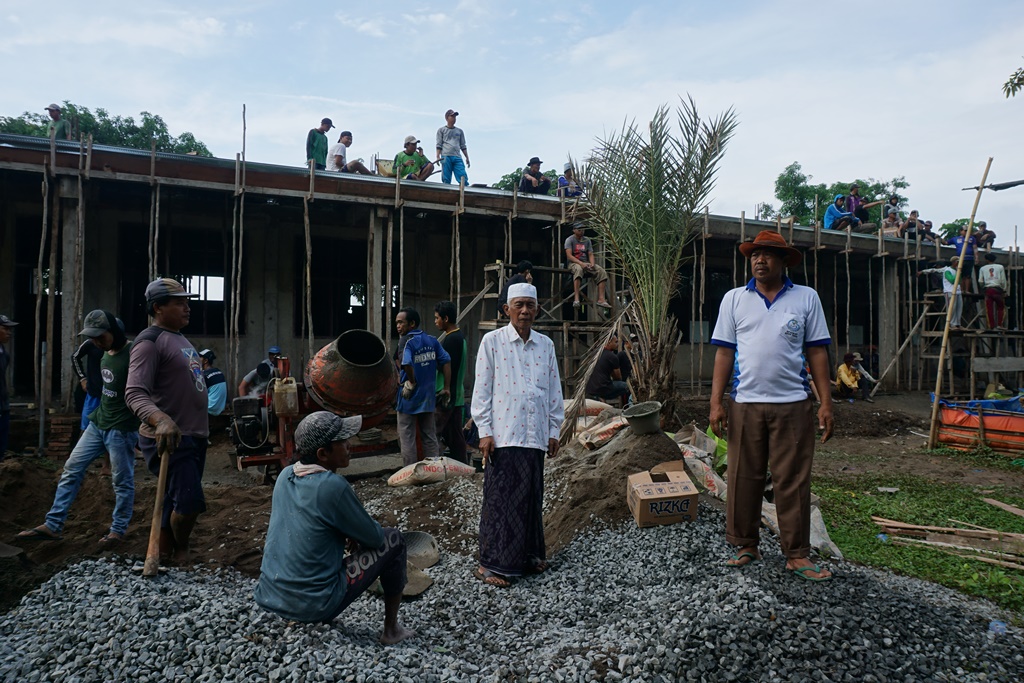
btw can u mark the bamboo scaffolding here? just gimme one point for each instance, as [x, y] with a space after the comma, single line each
[51, 295]
[307, 294]
[389, 284]
[38, 387]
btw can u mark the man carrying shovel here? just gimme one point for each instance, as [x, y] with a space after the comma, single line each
[167, 392]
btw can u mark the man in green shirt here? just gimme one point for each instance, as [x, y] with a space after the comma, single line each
[316, 144]
[57, 127]
[113, 428]
[410, 164]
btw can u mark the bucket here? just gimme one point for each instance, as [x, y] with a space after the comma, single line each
[644, 418]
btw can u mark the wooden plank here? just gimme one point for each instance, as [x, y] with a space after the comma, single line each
[1012, 509]
[983, 364]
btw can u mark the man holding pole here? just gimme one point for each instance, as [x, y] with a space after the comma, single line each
[763, 333]
[167, 391]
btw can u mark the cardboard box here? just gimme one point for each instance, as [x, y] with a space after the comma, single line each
[661, 497]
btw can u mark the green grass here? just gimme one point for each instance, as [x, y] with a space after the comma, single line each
[982, 457]
[849, 503]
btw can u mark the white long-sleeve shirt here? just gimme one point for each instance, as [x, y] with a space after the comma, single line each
[992, 275]
[517, 397]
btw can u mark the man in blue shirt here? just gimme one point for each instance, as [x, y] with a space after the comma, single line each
[216, 383]
[965, 248]
[416, 396]
[764, 333]
[315, 516]
[836, 218]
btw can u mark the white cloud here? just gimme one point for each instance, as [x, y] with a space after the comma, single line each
[371, 27]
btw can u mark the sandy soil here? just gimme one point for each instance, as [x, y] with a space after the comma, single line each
[870, 438]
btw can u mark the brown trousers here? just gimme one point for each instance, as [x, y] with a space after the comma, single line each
[780, 437]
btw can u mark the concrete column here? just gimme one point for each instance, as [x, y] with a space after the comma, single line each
[888, 329]
[375, 269]
[70, 317]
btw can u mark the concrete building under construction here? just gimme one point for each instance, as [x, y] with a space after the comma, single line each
[277, 251]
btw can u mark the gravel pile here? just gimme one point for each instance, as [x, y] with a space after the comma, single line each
[622, 604]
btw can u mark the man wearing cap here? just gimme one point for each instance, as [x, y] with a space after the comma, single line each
[838, 219]
[417, 392]
[451, 144]
[524, 273]
[763, 333]
[257, 380]
[316, 145]
[112, 429]
[567, 185]
[849, 380]
[517, 407]
[410, 164]
[992, 278]
[337, 159]
[965, 247]
[6, 328]
[533, 181]
[952, 295]
[315, 517]
[57, 127]
[216, 383]
[985, 237]
[166, 390]
[579, 255]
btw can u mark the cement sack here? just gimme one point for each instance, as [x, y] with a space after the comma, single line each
[705, 475]
[597, 436]
[430, 471]
[591, 408]
[820, 540]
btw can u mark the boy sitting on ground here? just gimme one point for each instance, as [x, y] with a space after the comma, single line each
[315, 517]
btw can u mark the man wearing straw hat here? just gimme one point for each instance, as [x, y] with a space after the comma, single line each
[763, 333]
[517, 406]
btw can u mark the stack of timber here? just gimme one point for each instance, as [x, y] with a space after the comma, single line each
[977, 543]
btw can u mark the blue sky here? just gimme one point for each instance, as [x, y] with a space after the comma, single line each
[872, 90]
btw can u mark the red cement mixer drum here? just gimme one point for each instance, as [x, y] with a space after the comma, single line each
[353, 375]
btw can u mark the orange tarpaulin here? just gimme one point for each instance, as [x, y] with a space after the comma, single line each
[1003, 432]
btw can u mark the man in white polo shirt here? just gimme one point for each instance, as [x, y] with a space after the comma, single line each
[763, 332]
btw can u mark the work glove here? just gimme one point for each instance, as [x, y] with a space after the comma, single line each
[407, 389]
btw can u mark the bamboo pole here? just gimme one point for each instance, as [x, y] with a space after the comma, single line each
[401, 258]
[51, 298]
[847, 302]
[308, 290]
[693, 306]
[700, 308]
[389, 283]
[39, 285]
[458, 266]
[743, 238]
[910, 335]
[933, 433]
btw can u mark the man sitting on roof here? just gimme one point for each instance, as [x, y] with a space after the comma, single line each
[410, 164]
[567, 185]
[533, 181]
[856, 205]
[985, 237]
[337, 160]
[836, 218]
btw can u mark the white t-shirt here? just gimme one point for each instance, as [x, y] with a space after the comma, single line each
[338, 150]
[769, 341]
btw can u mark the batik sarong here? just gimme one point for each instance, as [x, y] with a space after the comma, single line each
[511, 523]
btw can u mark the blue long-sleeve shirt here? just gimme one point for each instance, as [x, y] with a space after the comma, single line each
[311, 517]
[832, 214]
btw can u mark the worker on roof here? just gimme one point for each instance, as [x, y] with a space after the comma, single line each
[316, 144]
[533, 181]
[337, 159]
[57, 127]
[451, 143]
[410, 164]
[838, 219]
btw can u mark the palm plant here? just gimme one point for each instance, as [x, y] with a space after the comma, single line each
[644, 195]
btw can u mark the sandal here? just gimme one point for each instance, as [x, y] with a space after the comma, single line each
[802, 573]
[737, 561]
[536, 566]
[111, 539]
[39, 533]
[490, 578]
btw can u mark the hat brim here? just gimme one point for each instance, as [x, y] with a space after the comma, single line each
[350, 426]
[92, 332]
[790, 256]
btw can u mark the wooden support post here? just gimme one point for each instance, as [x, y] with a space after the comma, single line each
[53, 152]
[36, 324]
[778, 224]
[910, 336]
[401, 258]
[707, 224]
[792, 220]
[88, 157]
[743, 238]
[389, 285]
[51, 294]
[700, 308]
[398, 190]
[374, 253]
[307, 297]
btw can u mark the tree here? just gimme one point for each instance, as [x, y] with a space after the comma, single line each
[511, 180]
[796, 195]
[949, 230]
[118, 131]
[644, 191]
[1015, 83]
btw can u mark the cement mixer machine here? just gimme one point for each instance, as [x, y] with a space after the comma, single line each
[353, 375]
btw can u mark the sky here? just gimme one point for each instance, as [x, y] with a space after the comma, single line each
[870, 90]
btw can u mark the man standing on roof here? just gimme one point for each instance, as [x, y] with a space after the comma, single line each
[418, 393]
[410, 164]
[111, 428]
[337, 159]
[257, 380]
[517, 406]
[315, 517]
[992, 278]
[764, 332]
[579, 255]
[216, 383]
[451, 144]
[6, 328]
[58, 127]
[533, 181]
[965, 248]
[448, 413]
[316, 145]
[567, 185]
[836, 218]
[166, 390]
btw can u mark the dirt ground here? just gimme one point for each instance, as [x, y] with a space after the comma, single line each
[870, 438]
